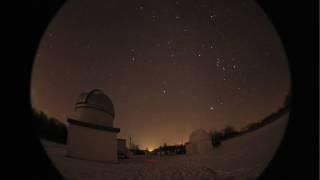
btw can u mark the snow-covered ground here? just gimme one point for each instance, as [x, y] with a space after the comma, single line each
[243, 157]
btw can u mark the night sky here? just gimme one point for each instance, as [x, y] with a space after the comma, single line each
[169, 67]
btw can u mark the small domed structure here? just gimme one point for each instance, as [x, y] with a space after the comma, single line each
[95, 107]
[91, 134]
[199, 142]
[199, 135]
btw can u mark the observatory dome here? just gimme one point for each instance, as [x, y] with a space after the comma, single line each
[198, 135]
[95, 107]
[96, 99]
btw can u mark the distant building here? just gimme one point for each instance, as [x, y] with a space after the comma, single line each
[91, 134]
[170, 150]
[199, 142]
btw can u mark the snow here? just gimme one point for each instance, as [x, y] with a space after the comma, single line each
[243, 157]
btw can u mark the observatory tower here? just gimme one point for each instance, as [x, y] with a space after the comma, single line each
[91, 134]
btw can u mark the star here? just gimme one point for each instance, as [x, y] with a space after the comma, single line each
[212, 16]
[164, 91]
[218, 62]
[161, 35]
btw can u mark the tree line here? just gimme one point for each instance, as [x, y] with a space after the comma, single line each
[52, 129]
[229, 132]
[49, 128]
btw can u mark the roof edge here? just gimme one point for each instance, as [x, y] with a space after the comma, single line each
[93, 126]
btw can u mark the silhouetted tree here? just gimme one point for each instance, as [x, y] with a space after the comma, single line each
[216, 138]
[49, 128]
[229, 132]
[253, 126]
[165, 148]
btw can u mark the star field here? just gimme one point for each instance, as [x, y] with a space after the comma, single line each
[169, 66]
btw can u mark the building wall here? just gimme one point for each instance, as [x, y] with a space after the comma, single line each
[93, 116]
[200, 147]
[91, 144]
[204, 146]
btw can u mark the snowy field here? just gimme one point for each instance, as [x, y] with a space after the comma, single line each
[242, 158]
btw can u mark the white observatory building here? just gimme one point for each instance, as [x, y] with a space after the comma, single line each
[199, 142]
[91, 134]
